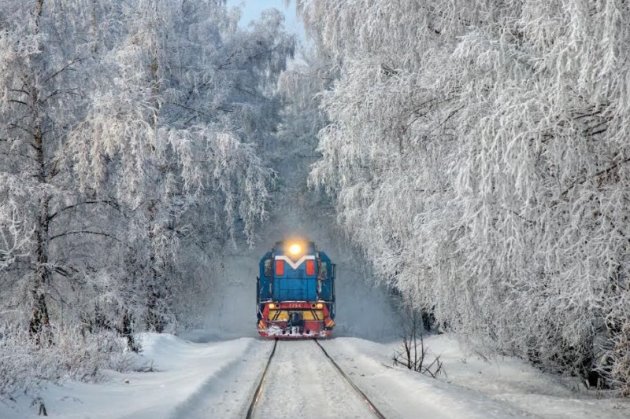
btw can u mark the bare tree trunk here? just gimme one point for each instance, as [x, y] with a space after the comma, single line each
[155, 318]
[39, 8]
[126, 331]
[40, 321]
[39, 325]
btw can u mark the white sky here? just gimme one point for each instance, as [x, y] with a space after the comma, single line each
[252, 9]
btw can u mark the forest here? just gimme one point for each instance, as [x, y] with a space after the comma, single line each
[475, 152]
[129, 156]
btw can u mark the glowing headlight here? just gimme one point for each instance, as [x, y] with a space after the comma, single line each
[272, 306]
[319, 306]
[295, 249]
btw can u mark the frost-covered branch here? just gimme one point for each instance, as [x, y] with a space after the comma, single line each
[15, 235]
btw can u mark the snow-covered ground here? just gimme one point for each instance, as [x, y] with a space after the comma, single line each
[217, 380]
[185, 373]
[472, 387]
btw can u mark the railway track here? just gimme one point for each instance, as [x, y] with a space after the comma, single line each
[357, 390]
[259, 388]
[261, 384]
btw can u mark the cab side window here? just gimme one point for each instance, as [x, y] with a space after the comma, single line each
[323, 271]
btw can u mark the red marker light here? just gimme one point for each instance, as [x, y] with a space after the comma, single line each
[279, 267]
[310, 267]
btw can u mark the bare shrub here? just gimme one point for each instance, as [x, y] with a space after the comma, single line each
[413, 353]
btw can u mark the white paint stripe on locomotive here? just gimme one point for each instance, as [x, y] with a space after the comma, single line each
[292, 264]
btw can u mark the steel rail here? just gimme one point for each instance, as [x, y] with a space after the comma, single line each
[365, 398]
[259, 387]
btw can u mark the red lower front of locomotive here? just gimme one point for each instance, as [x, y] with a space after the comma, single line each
[295, 320]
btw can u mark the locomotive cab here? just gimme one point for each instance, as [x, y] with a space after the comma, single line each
[295, 291]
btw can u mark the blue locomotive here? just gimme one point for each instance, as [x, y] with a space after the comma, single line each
[295, 291]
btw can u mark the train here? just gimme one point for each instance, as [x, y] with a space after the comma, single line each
[295, 291]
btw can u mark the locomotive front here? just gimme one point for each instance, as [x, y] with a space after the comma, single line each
[295, 292]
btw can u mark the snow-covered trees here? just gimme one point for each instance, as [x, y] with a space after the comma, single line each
[478, 153]
[128, 147]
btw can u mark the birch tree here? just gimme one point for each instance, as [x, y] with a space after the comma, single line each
[42, 98]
